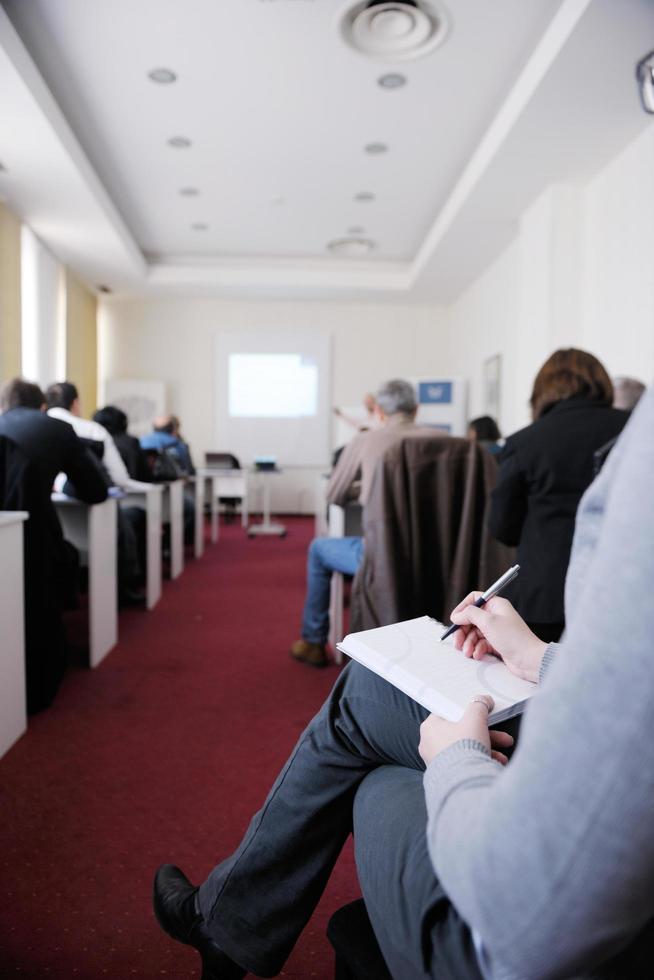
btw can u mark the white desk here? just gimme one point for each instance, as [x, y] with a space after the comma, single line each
[205, 481]
[149, 499]
[92, 529]
[172, 512]
[232, 483]
[13, 717]
[266, 527]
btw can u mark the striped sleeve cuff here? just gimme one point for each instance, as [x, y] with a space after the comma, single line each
[548, 659]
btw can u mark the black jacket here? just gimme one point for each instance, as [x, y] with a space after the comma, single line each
[133, 456]
[33, 450]
[544, 470]
[54, 448]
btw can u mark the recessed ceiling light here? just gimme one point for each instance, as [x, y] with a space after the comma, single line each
[164, 76]
[352, 248]
[199, 226]
[364, 196]
[375, 148]
[391, 80]
[356, 230]
[179, 142]
[189, 191]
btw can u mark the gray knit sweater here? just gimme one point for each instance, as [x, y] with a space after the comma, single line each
[551, 860]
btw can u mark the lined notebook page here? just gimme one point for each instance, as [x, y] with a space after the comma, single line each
[411, 656]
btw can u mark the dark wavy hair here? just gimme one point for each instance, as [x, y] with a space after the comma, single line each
[566, 373]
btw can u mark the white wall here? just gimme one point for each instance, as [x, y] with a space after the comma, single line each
[43, 327]
[172, 339]
[578, 273]
[618, 314]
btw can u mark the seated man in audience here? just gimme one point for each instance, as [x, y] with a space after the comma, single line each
[52, 447]
[64, 404]
[395, 407]
[166, 438]
[114, 420]
[471, 867]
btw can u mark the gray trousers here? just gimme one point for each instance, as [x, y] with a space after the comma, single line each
[356, 766]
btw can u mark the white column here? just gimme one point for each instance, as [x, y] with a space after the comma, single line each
[149, 499]
[92, 529]
[13, 717]
[173, 513]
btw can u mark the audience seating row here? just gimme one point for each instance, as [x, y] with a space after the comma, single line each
[91, 528]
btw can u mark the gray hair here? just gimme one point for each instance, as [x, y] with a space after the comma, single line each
[626, 392]
[396, 397]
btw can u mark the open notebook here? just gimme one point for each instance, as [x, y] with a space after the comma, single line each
[411, 656]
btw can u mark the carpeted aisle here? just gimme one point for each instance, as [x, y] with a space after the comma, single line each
[161, 754]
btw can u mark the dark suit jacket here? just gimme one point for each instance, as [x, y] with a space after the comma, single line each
[544, 470]
[53, 447]
[425, 534]
[133, 457]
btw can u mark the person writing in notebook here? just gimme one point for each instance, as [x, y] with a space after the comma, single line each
[470, 869]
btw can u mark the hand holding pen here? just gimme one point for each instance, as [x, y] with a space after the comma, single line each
[496, 628]
[492, 590]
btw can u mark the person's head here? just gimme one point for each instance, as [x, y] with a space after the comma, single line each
[164, 423]
[176, 424]
[567, 373]
[396, 397]
[63, 394]
[113, 419]
[626, 393]
[18, 393]
[484, 429]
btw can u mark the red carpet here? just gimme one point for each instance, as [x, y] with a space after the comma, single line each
[161, 754]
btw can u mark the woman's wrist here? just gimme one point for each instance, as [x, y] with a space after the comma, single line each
[533, 659]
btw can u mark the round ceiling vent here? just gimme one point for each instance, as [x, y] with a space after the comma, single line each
[396, 30]
[351, 248]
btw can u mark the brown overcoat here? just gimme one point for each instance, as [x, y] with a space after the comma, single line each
[426, 540]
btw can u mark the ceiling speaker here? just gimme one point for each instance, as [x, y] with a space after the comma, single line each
[395, 30]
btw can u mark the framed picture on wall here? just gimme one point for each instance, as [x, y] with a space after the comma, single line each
[492, 377]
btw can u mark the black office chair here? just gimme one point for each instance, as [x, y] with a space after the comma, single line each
[224, 461]
[221, 461]
[357, 952]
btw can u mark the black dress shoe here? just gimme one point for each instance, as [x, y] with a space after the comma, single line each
[174, 906]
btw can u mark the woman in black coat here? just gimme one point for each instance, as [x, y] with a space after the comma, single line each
[544, 470]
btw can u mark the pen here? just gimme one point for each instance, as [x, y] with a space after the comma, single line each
[492, 590]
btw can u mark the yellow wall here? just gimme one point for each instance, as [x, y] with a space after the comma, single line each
[10, 349]
[81, 342]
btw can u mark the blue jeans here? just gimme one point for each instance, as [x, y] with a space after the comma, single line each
[326, 555]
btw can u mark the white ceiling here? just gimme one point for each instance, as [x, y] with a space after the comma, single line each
[279, 109]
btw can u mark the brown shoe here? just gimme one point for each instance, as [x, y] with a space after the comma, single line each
[314, 654]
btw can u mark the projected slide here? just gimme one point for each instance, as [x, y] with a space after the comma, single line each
[282, 386]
